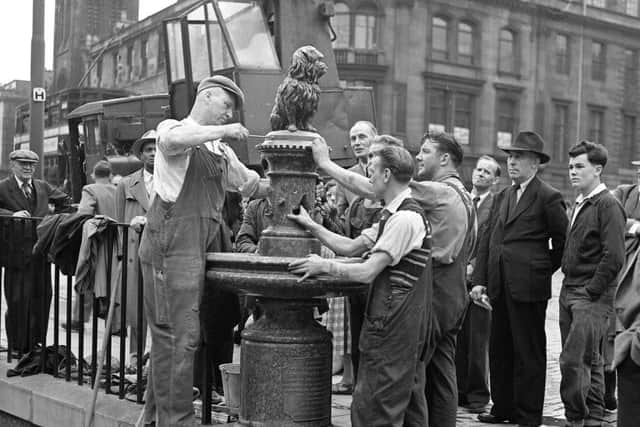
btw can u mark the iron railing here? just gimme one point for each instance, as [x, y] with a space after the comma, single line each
[13, 232]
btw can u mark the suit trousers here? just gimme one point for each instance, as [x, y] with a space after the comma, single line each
[472, 356]
[518, 359]
[357, 308]
[628, 395]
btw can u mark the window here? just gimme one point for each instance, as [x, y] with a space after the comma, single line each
[560, 130]
[506, 120]
[562, 54]
[439, 34]
[400, 108]
[365, 29]
[630, 7]
[129, 75]
[630, 67]
[507, 62]
[598, 3]
[143, 57]
[598, 57]
[342, 26]
[629, 135]
[451, 110]
[465, 43]
[596, 125]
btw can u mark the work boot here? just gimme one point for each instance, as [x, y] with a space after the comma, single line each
[610, 402]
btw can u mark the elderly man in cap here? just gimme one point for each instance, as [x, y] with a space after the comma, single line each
[134, 194]
[517, 254]
[22, 196]
[193, 169]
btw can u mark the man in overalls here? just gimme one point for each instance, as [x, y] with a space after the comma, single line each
[390, 386]
[192, 171]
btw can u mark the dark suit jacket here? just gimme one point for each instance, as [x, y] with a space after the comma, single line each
[514, 251]
[482, 214]
[12, 199]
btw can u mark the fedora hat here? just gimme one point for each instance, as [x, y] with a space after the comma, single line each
[529, 141]
[148, 136]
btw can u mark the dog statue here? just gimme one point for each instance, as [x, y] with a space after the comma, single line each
[298, 95]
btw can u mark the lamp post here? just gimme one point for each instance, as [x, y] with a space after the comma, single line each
[38, 94]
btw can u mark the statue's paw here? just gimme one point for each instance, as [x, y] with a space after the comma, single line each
[292, 128]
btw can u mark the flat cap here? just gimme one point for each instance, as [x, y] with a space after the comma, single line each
[226, 84]
[148, 136]
[24, 156]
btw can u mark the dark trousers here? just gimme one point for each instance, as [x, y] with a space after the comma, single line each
[628, 393]
[518, 359]
[583, 326]
[357, 308]
[472, 356]
[441, 388]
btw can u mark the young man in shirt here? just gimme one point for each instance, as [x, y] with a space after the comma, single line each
[390, 386]
[593, 255]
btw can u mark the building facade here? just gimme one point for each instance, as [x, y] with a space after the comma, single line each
[12, 94]
[480, 69]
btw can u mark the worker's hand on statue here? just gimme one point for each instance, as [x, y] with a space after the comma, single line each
[137, 222]
[310, 266]
[302, 218]
[320, 151]
[477, 292]
[235, 131]
[22, 214]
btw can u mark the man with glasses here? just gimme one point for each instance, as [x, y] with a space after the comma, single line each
[22, 196]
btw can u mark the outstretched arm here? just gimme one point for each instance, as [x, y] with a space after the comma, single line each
[353, 182]
[363, 272]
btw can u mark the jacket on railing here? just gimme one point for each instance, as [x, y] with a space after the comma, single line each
[65, 247]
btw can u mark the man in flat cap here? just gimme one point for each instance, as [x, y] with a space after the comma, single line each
[22, 196]
[517, 254]
[134, 194]
[193, 168]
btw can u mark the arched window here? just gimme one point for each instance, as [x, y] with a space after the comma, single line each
[365, 28]
[465, 43]
[342, 26]
[507, 61]
[439, 38]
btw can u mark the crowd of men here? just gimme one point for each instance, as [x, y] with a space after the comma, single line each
[459, 281]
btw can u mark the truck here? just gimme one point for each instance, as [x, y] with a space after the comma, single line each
[250, 42]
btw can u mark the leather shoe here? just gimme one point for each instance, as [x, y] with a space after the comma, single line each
[492, 419]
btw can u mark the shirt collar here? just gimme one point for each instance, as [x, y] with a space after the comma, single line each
[524, 185]
[599, 189]
[481, 197]
[148, 177]
[21, 182]
[393, 205]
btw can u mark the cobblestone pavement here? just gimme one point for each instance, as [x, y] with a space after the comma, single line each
[553, 408]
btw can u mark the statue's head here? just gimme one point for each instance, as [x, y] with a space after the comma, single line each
[307, 64]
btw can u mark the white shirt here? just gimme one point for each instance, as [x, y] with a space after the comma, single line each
[523, 187]
[403, 232]
[148, 183]
[170, 168]
[581, 199]
[481, 197]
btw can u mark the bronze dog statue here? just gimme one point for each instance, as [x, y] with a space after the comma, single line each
[298, 95]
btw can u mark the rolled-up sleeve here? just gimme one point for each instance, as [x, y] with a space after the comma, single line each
[240, 179]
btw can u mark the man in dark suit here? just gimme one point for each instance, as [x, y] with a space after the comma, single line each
[21, 196]
[517, 255]
[472, 351]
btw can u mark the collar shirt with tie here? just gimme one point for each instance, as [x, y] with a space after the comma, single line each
[520, 188]
[148, 184]
[478, 199]
[25, 186]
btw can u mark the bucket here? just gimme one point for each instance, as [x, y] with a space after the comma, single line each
[230, 373]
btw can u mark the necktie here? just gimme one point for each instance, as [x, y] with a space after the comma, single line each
[26, 189]
[476, 201]
[513, 200]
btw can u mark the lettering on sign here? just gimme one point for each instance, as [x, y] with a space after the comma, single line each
[39, 94]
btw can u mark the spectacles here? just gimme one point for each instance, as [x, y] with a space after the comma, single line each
[26, 165]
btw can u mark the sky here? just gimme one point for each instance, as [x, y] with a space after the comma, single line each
[15, 34]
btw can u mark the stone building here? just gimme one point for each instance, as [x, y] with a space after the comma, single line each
[12, 94]
[481, 69]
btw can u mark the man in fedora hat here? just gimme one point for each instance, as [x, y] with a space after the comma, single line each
[192, 171]
[134, 194]
[517, 254]
[23, 196]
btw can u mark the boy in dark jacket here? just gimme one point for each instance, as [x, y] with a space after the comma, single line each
[593, 256]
